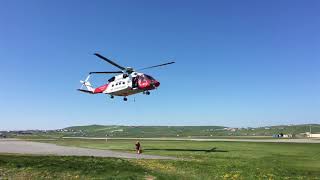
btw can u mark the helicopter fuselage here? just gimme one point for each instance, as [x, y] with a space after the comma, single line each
[126, 85]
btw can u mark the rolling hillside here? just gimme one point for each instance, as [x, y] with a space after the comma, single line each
[144, 131]
[163, 131]
[184, 131]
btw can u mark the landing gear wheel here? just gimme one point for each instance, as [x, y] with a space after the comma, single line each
[147, 93]
[125, 99]
[111, 97]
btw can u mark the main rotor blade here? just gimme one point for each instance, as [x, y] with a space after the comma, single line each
[87, 78]
[109, 61]
[157, 66]
[106, 72]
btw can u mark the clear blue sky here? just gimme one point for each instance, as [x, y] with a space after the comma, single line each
[239, 63]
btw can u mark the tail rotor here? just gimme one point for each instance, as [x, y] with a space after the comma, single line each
[85, 82]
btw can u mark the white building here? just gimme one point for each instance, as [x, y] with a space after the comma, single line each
[310, 135]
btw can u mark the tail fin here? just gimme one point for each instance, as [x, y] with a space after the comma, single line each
[87, 84]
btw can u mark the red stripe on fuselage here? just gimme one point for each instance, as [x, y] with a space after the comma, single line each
[101, 89]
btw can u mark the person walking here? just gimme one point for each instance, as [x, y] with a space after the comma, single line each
[138, 147]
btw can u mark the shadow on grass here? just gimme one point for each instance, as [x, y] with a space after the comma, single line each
[191, 150]
[173, 149]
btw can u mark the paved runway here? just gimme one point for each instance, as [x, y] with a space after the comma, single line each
[15, 146]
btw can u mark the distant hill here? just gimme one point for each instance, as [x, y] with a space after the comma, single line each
[285, 129]
[184, 131]
[164, 131]
[143, 131]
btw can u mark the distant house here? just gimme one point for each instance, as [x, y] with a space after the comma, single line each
[287, 136]
[281, 135]
[24, 132]
[311, 135]
[2, 135]
[232, 129]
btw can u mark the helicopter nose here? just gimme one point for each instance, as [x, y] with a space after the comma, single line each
[156, 83]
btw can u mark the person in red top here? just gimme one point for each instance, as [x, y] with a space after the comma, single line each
[138, 147]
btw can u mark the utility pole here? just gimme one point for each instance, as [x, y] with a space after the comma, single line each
[310, 129]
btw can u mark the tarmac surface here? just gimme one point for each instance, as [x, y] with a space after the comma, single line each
[15, 146]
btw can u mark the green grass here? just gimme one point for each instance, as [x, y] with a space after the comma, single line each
[60, 167]
[204, 160]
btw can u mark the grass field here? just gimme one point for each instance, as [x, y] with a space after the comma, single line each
[201, 160]
[53, 167]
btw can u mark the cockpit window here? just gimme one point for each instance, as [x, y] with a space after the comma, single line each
[111, 79]
[149, 77]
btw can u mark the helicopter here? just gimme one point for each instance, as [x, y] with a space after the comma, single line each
[127, 82]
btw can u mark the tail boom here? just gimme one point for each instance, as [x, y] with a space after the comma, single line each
[85, 91]
[92, 90]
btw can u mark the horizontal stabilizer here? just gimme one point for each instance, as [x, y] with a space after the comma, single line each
[85, 91]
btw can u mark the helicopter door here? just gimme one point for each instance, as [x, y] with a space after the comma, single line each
[134, 82]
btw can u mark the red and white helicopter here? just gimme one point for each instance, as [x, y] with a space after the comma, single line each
[127, 83]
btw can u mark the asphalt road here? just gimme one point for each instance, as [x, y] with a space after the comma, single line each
[14, 146]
